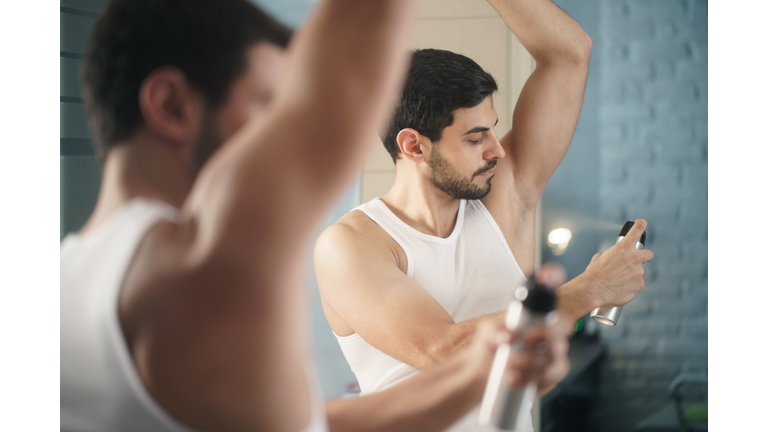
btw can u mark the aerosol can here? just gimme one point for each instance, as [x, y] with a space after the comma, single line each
[609, 315]
[505, 407]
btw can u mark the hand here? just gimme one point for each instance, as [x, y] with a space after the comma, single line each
[544, 357]
[616, 276]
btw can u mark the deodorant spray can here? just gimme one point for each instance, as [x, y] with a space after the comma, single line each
[504, 407]
[609, 315]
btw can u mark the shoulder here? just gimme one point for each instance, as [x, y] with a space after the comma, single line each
[352, 230]
[352, 239]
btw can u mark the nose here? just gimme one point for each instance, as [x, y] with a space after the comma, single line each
[495, 150]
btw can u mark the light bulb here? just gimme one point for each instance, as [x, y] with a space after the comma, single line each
[558, 240]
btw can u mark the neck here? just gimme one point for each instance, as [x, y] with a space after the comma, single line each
[417, 202]
[141, 167]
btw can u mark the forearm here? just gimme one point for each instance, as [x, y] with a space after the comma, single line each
[546, 31]
[431, 401]
[576, 298]
[348, 63]
[339, 81]
[454, 339]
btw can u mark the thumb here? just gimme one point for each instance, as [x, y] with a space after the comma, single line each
[491, 334]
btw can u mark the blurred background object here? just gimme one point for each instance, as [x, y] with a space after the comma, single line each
[640, 150]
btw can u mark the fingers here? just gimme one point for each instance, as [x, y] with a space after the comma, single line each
[530, 364]
[537, 355]
[559, 368]
[491, 334]
[636, 231]
[646, 255]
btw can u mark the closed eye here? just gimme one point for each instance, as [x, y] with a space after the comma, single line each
[476, 142]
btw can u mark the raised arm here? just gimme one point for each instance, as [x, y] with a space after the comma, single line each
[282, 171]
[548, 107]
[217, 325]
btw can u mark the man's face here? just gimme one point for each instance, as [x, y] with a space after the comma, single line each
[462, 163]
[249, 96]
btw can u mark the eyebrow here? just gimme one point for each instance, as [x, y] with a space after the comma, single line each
[477, 129]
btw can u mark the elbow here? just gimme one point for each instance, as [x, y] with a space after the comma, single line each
[434, 355]
[574, 54]
[435, 350]
[584, 49]
[580, 50]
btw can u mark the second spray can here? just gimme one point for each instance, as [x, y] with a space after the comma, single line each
[502, 406]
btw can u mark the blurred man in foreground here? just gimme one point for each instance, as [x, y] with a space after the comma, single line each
[181, 299]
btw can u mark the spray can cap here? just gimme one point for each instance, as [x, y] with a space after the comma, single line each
[625, 230]
[540, 299]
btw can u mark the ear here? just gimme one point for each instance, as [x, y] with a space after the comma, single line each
[411, 144]
[170, 107]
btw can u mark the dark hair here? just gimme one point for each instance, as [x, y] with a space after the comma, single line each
[206, 39]
[438, 83]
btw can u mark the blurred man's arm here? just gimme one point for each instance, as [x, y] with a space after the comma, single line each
[435, 399]
[219, 337]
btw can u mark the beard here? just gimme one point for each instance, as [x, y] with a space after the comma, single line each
[448, 180]
[207, 142]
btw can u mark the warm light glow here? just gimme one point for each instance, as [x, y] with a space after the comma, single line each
[558, 240]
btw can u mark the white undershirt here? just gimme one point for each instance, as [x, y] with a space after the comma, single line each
[471, 273]
[100, 388]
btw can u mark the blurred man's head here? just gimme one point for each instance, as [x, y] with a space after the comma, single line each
[446, 111]
[190, 72]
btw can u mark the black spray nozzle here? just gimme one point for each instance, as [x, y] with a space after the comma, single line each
[540, 299]
[625, 230]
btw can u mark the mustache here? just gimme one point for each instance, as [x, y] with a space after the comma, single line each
[491, 165]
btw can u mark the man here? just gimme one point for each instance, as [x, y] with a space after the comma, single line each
[181, 304]
[406, 279]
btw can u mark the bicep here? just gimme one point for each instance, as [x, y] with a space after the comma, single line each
[544, 121]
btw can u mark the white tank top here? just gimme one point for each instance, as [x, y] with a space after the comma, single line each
[471, 273]
[100, 387]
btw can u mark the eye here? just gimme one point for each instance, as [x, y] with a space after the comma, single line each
[476, 142]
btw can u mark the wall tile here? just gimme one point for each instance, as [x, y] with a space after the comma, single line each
[75, 30]
[375, 184]
[430, 9]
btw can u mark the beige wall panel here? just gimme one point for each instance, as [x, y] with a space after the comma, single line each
[501, 103]
[378, 159]
[374, 185]
[486, 41]
[456, 9]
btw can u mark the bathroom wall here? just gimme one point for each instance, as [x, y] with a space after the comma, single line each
[640, 150]
[79, 181]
